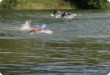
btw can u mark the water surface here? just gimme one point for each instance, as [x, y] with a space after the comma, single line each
[79, 46]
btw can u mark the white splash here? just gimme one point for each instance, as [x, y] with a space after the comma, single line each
[46, 31]
[109, 0]
[26, 26]
[0, 73]
[109, 73]
[0, 0]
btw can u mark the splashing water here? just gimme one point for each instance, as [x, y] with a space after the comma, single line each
[109, 73]
[26, 25]
[0, 0]
[109, 0]
[46, 32]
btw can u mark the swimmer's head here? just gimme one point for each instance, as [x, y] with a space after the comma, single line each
[43, 25]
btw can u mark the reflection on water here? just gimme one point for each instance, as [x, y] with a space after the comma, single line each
[78, 47]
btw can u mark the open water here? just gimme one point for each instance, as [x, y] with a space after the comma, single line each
[79, 46]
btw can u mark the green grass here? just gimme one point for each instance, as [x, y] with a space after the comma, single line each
[42, 1]
[43, 4]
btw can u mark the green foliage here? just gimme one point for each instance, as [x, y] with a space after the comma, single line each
[43, 4]
[94, 4]
[8, 4]
[90, 4]
[54, 4]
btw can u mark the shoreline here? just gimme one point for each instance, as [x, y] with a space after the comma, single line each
[43, 8]
[47, 4]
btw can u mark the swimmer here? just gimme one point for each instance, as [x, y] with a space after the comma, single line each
[41, 28]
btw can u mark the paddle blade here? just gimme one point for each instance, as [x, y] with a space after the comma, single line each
[51, 14]
[74, 14]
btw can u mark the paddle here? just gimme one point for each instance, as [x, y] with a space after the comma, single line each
[74, 14]
[51, 14]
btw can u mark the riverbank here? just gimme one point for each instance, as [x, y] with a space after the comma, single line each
[43, 4]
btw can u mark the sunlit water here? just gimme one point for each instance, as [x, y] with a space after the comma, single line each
[79, 46]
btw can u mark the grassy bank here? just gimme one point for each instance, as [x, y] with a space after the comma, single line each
[43, 4]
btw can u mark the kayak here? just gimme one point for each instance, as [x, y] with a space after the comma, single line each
[71, 16]
[57, 16]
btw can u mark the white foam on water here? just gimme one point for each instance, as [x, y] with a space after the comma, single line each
[0, 0]
[46, 31]
[109, 0]
[109, 73]
[26, 25]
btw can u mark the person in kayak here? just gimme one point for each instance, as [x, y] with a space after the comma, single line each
[66, 14]
[41, 28]
[56, 12]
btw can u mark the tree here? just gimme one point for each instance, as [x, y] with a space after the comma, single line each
[90, 4]
[8, 4]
